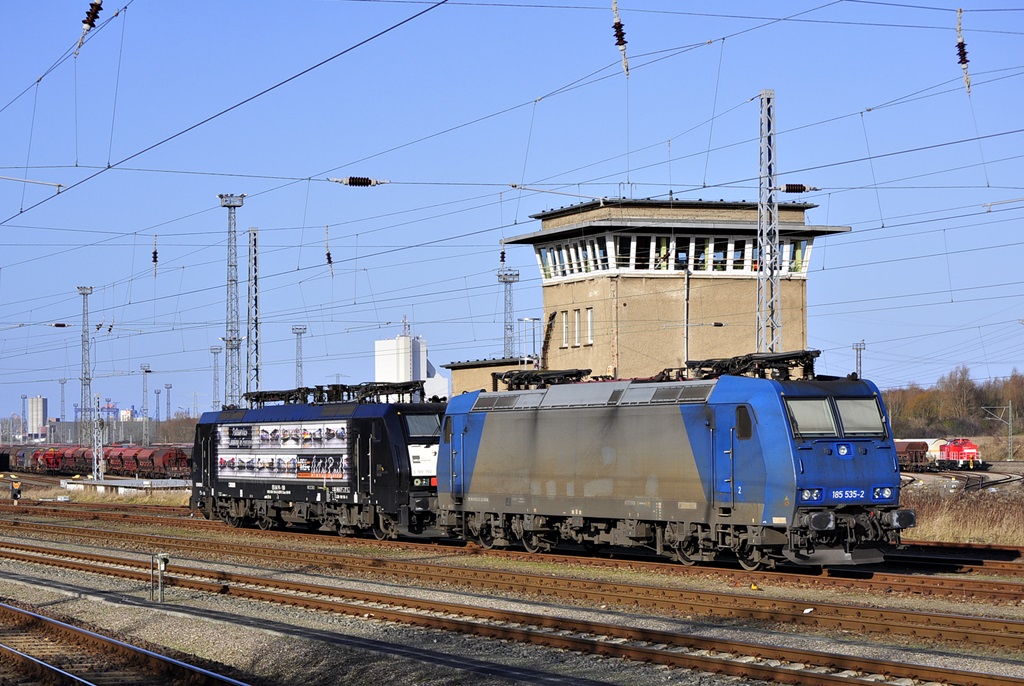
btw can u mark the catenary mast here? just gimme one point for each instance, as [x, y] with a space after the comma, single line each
[252, 366]
[86, 378]
[769, 322]
[232, 335]
[508, 276]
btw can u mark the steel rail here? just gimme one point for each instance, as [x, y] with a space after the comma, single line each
[99, 512]
[977, 631]
[955, 588]
[751, 660]
[134, 662]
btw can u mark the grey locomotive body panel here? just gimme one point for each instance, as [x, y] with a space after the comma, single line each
[597, 462]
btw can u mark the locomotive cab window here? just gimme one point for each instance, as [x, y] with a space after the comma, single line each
[860, 417]
[811, 418]
[422, 425]
[447, 429]
[744, 425]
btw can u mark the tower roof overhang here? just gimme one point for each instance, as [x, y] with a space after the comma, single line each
[694, 217]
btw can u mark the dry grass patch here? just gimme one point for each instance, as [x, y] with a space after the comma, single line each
[973, 517]
[156, 497]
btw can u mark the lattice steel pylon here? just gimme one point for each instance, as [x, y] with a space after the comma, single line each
[508, 277]
[86, 378]
[252, 358]
[769, 315]
[298, 330]
[63, 420]
[167, 386]
[144, 368]
[97, 443]
[232, 335]
[215, 349]
[157, 412]
[858, 348]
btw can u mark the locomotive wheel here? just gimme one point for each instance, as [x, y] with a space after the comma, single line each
[235, 522]
[749, 558]
[687, 552]
[383, 527]
[266, 522]
[533, 543]
[485, 538]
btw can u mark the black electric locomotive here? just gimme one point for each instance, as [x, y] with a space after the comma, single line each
[340, 458]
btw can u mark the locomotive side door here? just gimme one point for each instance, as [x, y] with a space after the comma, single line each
[360, 437]
[208, 456]
[723, 463]
[454, 433]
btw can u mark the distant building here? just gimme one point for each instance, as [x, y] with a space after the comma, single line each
[404, 358]
[37, 416]
[633, 287]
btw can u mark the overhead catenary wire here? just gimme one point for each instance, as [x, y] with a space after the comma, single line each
[241, 103]
[872, 184]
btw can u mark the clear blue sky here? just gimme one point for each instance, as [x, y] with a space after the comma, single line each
[168, 105]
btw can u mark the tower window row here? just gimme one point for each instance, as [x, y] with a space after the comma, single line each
[638, 253]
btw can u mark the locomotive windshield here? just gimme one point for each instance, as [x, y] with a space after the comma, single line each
[860, 417]
[812, 417]
[423, 425]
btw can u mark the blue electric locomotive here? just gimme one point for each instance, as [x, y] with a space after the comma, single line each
[766, 470]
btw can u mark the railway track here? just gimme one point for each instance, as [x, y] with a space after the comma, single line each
[954, 628]
[670, 648]
[958, 565]
[958, 585]
[987, 551]
[44, 650]
[114, 510]
[954, 561]
[162, 515]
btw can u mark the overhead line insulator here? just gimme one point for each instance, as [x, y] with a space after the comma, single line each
[961, 50]
[327, 248]
[797, 188]
[620, 34]
[92, 14]
[359, 181]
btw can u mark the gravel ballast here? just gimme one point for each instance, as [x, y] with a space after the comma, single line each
[262, 643]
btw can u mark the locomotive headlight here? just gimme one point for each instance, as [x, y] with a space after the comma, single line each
[882, 493]
[810, 494]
